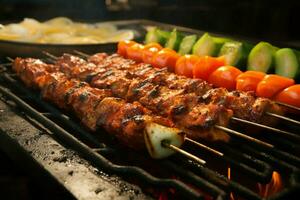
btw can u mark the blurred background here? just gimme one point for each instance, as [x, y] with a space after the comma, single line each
[271, 20]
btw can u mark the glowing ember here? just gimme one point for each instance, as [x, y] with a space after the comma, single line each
[273, 187]
[229, 177]
[163, 196]
[168, 194]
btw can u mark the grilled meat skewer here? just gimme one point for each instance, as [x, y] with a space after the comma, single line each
[130, 123]
[196, 120]
[141, 81]
[245, 105]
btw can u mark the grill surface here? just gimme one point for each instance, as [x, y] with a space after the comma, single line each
[47, 161]
[187, 178]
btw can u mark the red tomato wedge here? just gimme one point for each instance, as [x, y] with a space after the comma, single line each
[249, 80]
[272, 84]
[135, 52]
[165, 58]
[123, 46]
[225, 77]
[207, 65]
[290, 95]
[185, 64]
[149, 51]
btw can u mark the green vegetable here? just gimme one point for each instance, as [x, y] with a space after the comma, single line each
[286, 63]
[187, 44]
[261, 57]
[208, 45]
[174, 40]
[235, 53]
[157, 35]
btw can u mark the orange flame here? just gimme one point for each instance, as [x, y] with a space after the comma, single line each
[274, 186]
[229, 177]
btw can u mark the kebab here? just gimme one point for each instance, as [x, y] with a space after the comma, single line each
[197, 120]
[77, 96]
[124, 75]
[130, 123]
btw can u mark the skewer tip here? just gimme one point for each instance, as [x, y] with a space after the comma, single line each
[295, 122]
[241, 135]
[49, 55]
[204, 146]
[166, 144]
[81, 53]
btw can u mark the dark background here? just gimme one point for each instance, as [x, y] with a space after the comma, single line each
[276, 20]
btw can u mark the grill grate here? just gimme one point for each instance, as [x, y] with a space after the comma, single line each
[255, 161]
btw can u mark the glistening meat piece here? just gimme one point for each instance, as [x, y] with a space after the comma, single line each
[245, 105]
[95, 108]
[128, 122]
[28, 71]
[197, 120]
[185, 110]
[118, 73]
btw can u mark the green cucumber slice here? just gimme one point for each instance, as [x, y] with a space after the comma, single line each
[187, 44]
[157, 35]
[261, 57]
[286, 63]
[174, 40]
[235, 53]
[208, 45]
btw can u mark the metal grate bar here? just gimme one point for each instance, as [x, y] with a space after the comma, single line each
[274, 161]
[222, 181]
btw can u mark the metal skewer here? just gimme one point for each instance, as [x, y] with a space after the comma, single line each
[288, 105]
[10, 59]
[50, 55]
[284, 118]
[289, 134]
[166, 144]
[81, 53]
[241, 135]
[204, 147]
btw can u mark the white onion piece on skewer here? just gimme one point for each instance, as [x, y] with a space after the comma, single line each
[155, 134]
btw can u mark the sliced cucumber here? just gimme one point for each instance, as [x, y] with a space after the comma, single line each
[219, 41]
[174, 40]
[235, 53]
[286, 63]
[157, 35]
[261, 57]
[208, 45]
[187, 44]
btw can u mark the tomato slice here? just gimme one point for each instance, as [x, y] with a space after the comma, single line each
[149, 51]
[224, 77]
[290, 95]
[135, 52]
[207, 65]
[165, 58]
[272, 84]
[249, 80]
[185, 64]
[123, 46]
